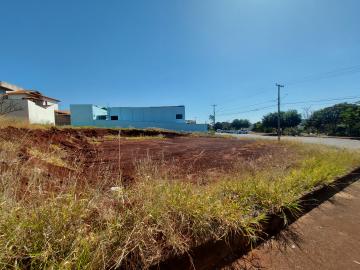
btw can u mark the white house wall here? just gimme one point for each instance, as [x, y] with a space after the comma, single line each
[42, 115]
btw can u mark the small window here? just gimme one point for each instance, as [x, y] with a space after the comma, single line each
[179, 116]
[101, 117]
[114, 117]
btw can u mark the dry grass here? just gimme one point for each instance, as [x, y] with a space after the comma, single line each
[54, 155]
[75, 225]
[134, 138]
[94, 140]
[99, 140]
[19, 123]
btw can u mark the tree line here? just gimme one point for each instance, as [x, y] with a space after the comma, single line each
[236, 124]
[289, 120]
[341, 119]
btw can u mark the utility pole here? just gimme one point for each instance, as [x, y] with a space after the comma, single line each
[214, 109]
[279, 125]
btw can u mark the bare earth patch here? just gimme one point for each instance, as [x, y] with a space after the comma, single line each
[83, 199]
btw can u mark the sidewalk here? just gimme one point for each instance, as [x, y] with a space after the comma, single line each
[326, 238]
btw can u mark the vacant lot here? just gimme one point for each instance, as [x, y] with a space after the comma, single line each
[88, 151]
[91, 199]
[182, 157]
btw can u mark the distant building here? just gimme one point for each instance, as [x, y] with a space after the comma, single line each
[167, 117]
[62, 118]
[28, 105]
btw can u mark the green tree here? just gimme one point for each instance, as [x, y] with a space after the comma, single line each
[341, 119]
[271, 120]
[212, 118]
[240, 123]
[217, 126]
[222, 125]
[289, 119]
[226, 125]
[258, 127]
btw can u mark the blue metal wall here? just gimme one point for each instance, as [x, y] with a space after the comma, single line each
[145, 117]
[152, 114]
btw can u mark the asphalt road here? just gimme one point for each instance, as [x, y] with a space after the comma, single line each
[341, 143]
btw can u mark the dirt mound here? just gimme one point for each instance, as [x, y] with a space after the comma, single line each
[78, 143]
[58, 135]
[99, 132]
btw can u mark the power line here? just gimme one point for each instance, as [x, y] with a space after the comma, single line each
[244, 97]
[291, 103]
[322, 100]
[320, 104]
[311, 78]
[248, 106]
[229, 110]
[254, 110]
[327, 75]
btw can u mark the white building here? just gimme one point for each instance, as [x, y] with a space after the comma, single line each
[28, 105]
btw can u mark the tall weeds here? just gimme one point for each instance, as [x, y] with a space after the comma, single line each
[82, 225]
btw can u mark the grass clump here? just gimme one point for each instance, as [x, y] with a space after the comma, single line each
[54, 155]
[84, 226]
[134, 138]
[6, 121]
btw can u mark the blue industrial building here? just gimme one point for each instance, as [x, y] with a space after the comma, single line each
[166, 117]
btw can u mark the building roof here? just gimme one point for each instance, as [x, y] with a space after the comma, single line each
[30, 94]
[10, 87]
[62, 112]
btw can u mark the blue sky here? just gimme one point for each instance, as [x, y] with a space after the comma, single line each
[190, 52]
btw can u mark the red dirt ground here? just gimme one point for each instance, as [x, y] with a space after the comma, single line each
[185, 156]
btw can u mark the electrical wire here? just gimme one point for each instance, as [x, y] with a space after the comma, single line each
[311, 78]
[321, 100]
[292, 103]
[254, 110]
[257, 93]
[248, 106]
[327, 75]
